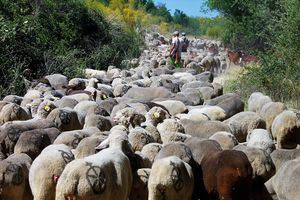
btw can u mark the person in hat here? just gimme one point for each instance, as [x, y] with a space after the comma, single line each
[176, 48]
[186, 42]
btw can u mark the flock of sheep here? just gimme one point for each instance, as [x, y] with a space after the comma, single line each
[147, 132]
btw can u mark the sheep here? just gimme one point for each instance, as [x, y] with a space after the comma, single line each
[57, 81]
[11, 131]
[152, 130]
[46, 170]
[231, 103]
[169, 137]
[156, 115]
[151, 150]
[3, 103]
[206, 92]
[285, 183]
[170, 178]
[83, 108]
[195, 116]
[82, 96]
[119, 128]
[208, 62]
[269, 111]
[12, 112]
[225, 139]
[261, 162]
[121, 89]
[203, 129]
[280, 156]
[139, 189]
[66, 102]
[286, 129]
[91, 73]
[101, 122]
[141, 108]
[173, 85]
[44, 109]
[178, 149]
[72, 138]
[78, 83]
[243, 123]
[195, 84]
[65, 119]
[129, 117]
[174, 107]
[105, 175]
[138, 138]
[169, 125]
[256, 101]
[32, 142]
[147, 94]
[86, 146]
[218, 89]
[194, 65]
[261, 139]
[212, 112]
[43, 86]
[30, 96]
[34, 106]
[227, 174]
[13, 99]
[205, 77]
[14, 178]
[193, 95]
[117, 81]
[201, 147]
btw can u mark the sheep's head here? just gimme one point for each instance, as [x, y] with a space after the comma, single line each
[12, 174]
[116, 139]
[45, 108]
[158, 115]
[128, 117]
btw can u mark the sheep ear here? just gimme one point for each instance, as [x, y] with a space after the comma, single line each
[103, 145]
[144, 174]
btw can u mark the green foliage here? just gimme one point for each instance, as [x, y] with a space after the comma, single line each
[163, 12]
[269, 29]
[53, 36]
[212, 27]
[181, 18]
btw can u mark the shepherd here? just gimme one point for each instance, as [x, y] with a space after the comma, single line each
[176, 48]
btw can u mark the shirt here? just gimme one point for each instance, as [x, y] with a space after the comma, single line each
[178, 42]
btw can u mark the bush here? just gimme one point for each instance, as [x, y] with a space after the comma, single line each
[271, 30]
[54, 36]
[214, 32]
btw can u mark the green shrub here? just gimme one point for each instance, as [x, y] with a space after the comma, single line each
[214, 32]
[269, 29]
[54, 36]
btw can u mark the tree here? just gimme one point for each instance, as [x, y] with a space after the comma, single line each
[181, 18]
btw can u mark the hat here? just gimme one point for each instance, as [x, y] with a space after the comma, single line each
[176, 33]
[183, 33]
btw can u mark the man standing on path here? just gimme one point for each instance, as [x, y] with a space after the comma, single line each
[186, 42]
[175, 51]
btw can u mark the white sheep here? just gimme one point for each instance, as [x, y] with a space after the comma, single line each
[170, 178]
[102, 176]
[151, 150]
[225, 139]
[138, 138]
[212, 112]
[72, 138]
[46, 170]
[256, 101]
[261, 139]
